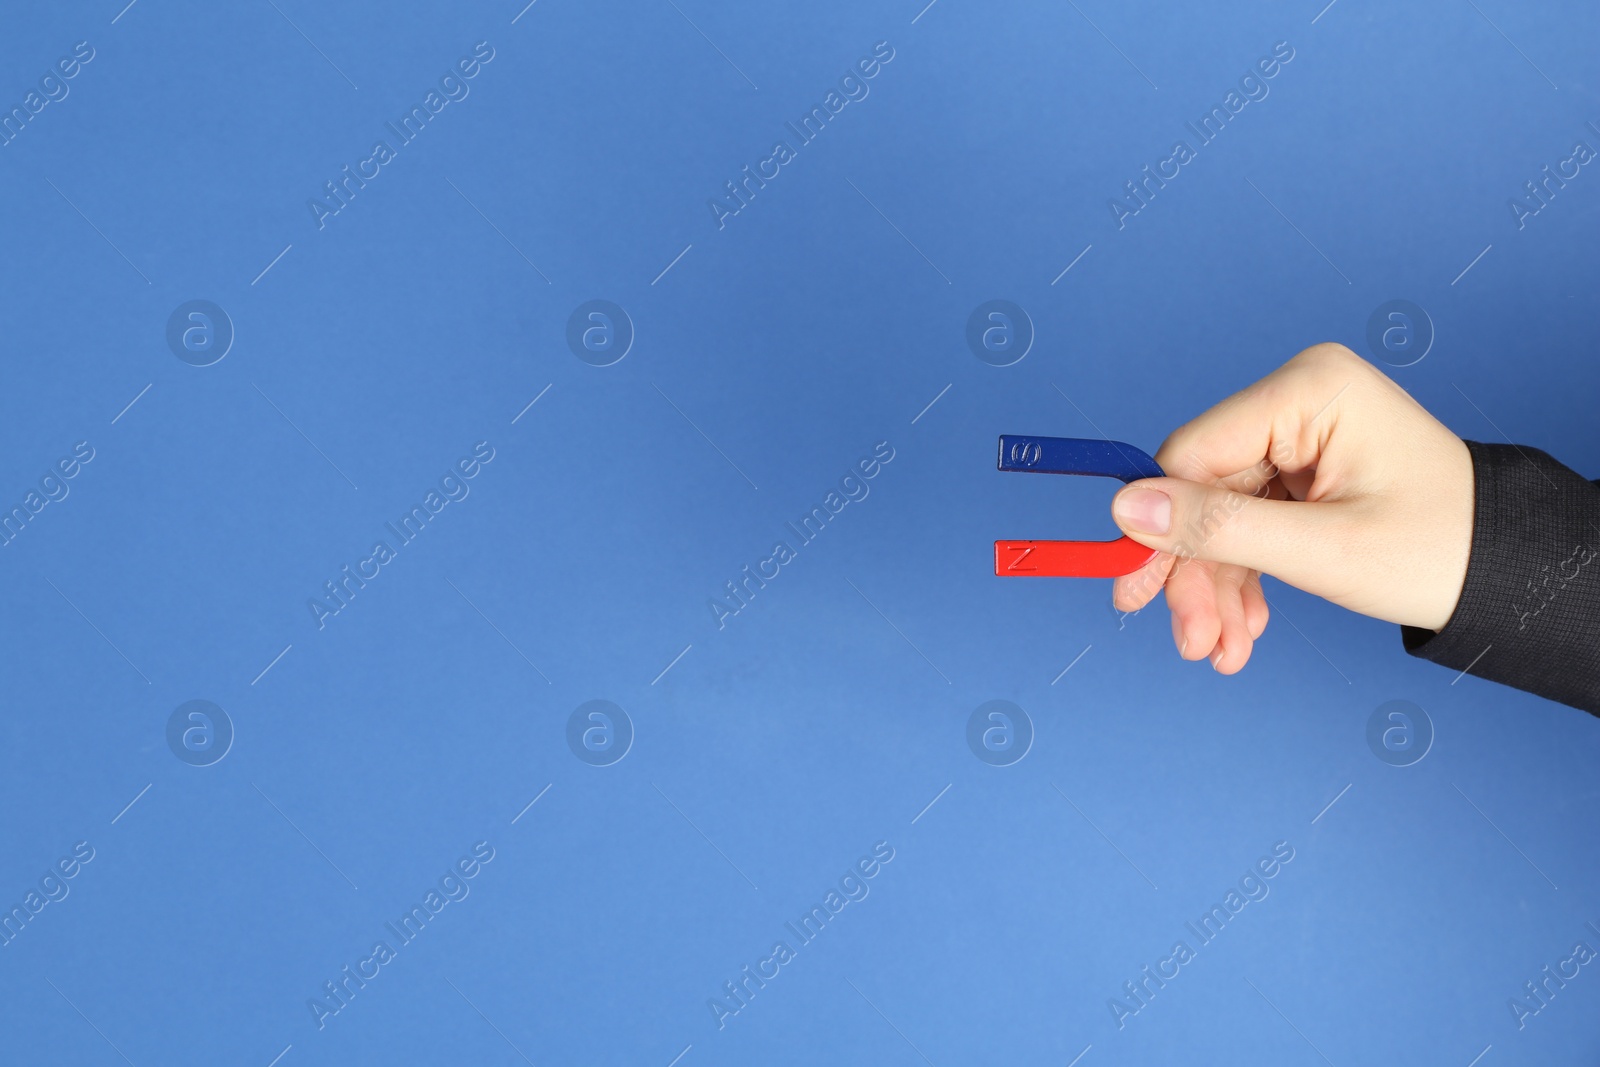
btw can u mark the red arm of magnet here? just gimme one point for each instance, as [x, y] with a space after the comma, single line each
[1070, 559]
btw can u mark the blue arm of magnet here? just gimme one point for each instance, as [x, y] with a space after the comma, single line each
[1076, 455]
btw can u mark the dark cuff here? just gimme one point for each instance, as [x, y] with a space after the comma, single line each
[1529, 613]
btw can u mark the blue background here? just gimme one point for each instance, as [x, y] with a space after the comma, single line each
[375, 351]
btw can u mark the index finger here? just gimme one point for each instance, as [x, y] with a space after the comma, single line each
[1276, 422]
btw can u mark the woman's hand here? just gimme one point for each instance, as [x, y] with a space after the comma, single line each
[1326, 475]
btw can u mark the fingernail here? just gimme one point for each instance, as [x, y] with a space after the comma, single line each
[1143, 510]
[1216, 658]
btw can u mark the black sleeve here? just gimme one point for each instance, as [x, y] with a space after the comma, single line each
[1529, 613]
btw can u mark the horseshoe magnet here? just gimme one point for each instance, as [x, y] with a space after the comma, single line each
[1073, 559]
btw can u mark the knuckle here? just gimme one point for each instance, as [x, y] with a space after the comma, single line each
[1330, 357]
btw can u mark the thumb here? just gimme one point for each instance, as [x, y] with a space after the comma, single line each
[1291, 540]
